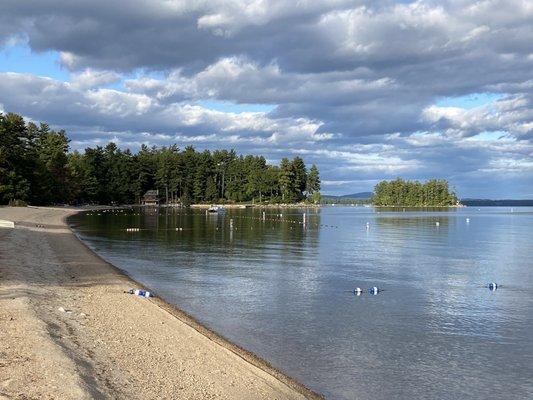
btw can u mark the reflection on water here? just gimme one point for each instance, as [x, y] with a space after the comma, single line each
[283, 290]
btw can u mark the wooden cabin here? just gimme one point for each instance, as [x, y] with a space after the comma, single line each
[150, 198]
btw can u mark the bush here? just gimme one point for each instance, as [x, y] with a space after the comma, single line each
[17, 203]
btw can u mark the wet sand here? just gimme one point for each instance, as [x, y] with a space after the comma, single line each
[70, 332]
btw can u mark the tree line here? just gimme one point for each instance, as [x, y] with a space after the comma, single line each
[36, 167]
[401, 193]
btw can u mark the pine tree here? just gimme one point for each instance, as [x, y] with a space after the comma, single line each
[300, 177]
[287, 181]
[35, 166]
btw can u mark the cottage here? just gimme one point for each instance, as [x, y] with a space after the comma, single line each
[150, 198]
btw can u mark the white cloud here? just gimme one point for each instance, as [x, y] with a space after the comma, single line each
[92, 78]
[352, 84]
[512, 114]
[121, 111]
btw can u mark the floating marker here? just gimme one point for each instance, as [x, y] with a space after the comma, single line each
[231, 223]
[493, 286]
[264, 216]
[374, 290]
[358, 291]
[468, 220]
[437, 223]
[368, 225]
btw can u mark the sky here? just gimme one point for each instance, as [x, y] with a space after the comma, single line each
[366, 90]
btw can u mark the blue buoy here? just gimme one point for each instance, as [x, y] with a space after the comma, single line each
[358, 291]
[492, 286]
[374, 290]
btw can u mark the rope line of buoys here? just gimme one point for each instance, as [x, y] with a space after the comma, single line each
[374, 290]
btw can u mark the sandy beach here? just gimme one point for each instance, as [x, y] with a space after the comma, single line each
[70, 332]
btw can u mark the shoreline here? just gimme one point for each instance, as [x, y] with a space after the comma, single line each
[250, 205]
[244, 375]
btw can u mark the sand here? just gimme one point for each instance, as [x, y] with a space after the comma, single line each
[69, 332]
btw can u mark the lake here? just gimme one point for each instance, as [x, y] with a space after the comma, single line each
[284, 290]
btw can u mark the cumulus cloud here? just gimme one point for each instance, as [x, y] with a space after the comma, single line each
[65, 104]
[513, 115]
[354, 85]
[91, 78]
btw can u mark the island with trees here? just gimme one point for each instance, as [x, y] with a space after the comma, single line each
[37, 167]
[402, 193]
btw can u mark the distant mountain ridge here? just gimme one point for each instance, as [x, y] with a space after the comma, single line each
[360, 195]
[497, 203]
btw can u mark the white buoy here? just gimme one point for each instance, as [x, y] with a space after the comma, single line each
[492, 286]
[231, 223]
[368, 225]
[374, 290]
[264, 216]
[468, 220]
[358, 291]
[437, 223]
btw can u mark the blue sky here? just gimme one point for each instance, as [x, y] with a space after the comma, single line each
[20, 58]
[366, 91]
[470, 100]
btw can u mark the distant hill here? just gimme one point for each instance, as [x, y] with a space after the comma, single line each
[358, 196]
[496, 203]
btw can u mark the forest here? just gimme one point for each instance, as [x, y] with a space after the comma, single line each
[36, 167]
[402, 193]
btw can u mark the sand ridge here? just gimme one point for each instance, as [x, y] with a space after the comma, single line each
[69, 331]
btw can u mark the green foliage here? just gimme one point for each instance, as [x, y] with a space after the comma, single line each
[400, 193]
[287, 181]
[300, 178]
[36, 166]
[17, 203]
[315, 197]
[313, 180]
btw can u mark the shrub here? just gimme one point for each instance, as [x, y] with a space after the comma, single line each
[17, 203]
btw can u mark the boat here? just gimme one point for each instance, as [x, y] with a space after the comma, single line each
[216, 209]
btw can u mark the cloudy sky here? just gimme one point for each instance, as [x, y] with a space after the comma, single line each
[367, 90]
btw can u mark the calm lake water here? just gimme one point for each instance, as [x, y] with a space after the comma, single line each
[283, 291]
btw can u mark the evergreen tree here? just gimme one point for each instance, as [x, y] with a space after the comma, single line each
[400, 193]
[313, 180]
[17, 159]
[300, 177]
[287, 181]
[35, 166]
